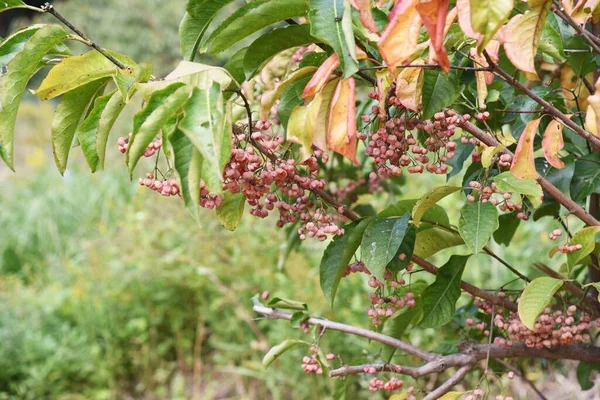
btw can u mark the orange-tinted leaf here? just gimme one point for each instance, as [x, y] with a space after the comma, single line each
[366, 16]
[400, 36]
[592, 119]
[522, 36]
[322, 76]
[433, 14]
[320, 137]
[464, 19]
[341, 135]
[409, 85]
[552, 143]
[492, 49]
[384, 81]
[523, 165]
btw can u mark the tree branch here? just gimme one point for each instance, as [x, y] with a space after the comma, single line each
[449, 384]
[593, 41]
[49, 8]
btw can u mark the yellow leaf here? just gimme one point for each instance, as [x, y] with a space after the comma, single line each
[398, 396]
[452, 396]
[301, 126]
[505, 137]
[488, 154]
[552, 143]
[594, 105]
[590, 121]
[409, 86]
[573, 88]
[523, 165]
[384, 81]
[320, 138]
[487, 16]
[269, 98]
[322, 76]
[341, 136]
[400, 36]
[522, 36]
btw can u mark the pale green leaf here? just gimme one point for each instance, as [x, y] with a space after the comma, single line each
[337, 256]
[439, 299]
[507, 182]
[586, 237]
[487, 16]
[434, 240]
[6, 5]
[429, 199]
[278, 350]
[535, 298]
[188, 164]
[477, 223]
[109, 116]
[230, 212]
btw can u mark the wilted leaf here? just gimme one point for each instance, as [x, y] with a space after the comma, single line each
[488, 154]
[409, 87]
[433, 14]
[535, 298]
[522, 36]
[439, 299]
[523, 164]
[477, 223]
[321, 123]
[278, 350]
[552, 143]
[341, 134]
[400, 36]
[321, 76]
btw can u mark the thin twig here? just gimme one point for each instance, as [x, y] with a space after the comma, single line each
[593, 41]
[449, 384]
[520, 375]
[49, 8]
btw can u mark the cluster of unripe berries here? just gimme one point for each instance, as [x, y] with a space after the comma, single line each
[166, 187]
[378, 384]
[383, 307]
[504, 203]
[123, 143]
[311, 365]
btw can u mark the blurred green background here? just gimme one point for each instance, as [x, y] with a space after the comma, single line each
[110, 291]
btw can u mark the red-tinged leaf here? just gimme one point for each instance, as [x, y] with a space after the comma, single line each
[409, 87]
[341, 135]
[464, 19]
[433, 14]
[552, 143]
[322, 76]
[592, 119]
[400, 36]
[492, 49]
[366, 16]
[523, 165]
[522, 36]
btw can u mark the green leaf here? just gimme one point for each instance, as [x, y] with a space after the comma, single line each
[407, 248]
[280, 302]
[462, 153]
[271, 43]
[587, 237]
[70, 112]
[440, 90]
[535, 298]
[206, 122]
[76, 71]
[6, 5]
[87, 131]
[230, 212]
[291, 97]
[161, 106]
[508, 227]
[278, 350]
[586, 177]
[551, 42]
[109, 116]
[331, 21]
[506, 182]
[434, 240]
[14, 82]
[435, 213]
[439, 299]
[477, 223]
[337, 256]
[381, 242]
[188, 164]
[251, 18]
[487, 16]
[584, 369]
[235, 65]
[429, 199]
[396, 327]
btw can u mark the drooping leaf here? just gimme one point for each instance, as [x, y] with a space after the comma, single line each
[250, 18]
[366, 15]
[205, 123]
[321, 123]
[433, 14]
[321, 76]
[301, 126]
[477, 223]
[6, 5]
[269, 98]
[230, 212]
[399, 38]
[14, 82]
[487, 16]
[269, 44]
[507, 182]
[487, 155]
[407, 247]
[522, 36]
[341, 134]
[587, 238]
[161, 106]
[76, 71]
[337, 256]
[278, 350]
[440, 90]
[188, 164]
[552, 143]
[409, 87]
[434, 240]
[439, 299]
[381, 242]
[70, 112]
[331, 21]
[109, 116]
[586, 177]
[535, 298]
[429, 199]
[464, 19]
[523, 164]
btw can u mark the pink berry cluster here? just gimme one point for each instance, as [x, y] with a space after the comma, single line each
[479, 394]
[383, 307]
[554, 234]
[392, 384]
[207, 199]
[311, 365]
[498, 198]
[166, 187]
[358, 266]
[551, 329]
[481, 326]
[123, 143]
